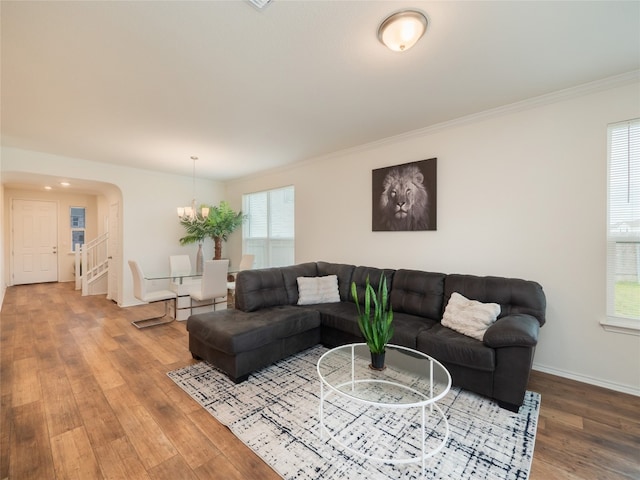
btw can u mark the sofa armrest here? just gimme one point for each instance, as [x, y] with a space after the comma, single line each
[517, 330]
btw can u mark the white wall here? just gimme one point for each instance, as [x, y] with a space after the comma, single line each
[150, 230]
[521, 193]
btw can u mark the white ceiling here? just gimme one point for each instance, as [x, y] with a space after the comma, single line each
[150, 83]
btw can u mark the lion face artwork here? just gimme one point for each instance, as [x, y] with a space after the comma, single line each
[404, 200]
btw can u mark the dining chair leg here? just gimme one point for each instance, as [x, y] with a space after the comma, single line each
[154, 321]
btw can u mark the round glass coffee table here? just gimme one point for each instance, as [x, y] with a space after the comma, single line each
[389, 415]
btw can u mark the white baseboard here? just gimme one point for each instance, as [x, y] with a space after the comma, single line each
[590, 380]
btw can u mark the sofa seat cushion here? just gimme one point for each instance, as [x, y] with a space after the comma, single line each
[449, 346]
[341, 316]
[407, 327]
[235, 331]
[344, 317]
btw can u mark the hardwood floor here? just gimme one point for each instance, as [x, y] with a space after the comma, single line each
[85, 395]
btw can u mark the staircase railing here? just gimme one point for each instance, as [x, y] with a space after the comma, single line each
[92, 261]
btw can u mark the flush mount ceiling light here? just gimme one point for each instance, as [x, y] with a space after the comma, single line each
[401, 30]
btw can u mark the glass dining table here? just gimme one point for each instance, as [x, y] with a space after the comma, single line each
[175, 278]
[182, 284]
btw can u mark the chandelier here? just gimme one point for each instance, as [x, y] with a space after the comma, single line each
[190, 213]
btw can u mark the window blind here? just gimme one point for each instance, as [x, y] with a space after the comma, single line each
[269, 232]
[623, 220]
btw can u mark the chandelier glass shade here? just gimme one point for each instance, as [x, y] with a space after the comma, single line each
[190, 212]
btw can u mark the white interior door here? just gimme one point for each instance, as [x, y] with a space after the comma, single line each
[34, 241]
[114, 251]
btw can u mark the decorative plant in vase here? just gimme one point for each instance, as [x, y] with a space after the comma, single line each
[220, 222]
[375, 319]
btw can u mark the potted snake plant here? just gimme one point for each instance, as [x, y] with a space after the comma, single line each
[375, 319]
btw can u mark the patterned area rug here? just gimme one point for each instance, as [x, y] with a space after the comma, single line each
[275, 413]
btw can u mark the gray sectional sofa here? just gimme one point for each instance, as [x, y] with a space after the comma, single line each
[268, 325]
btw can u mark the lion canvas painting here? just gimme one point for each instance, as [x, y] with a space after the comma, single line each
[404, 197]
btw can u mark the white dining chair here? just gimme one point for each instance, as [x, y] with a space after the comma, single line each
[179, 265]
[181, 274]
[213, 285]
[246, 263]
[141, 293]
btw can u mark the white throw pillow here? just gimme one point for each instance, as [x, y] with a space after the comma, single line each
[313, 290]
[469, 317]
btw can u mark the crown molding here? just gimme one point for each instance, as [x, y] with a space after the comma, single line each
[546, 99]
[530, 103]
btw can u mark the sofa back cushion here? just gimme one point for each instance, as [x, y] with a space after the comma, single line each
[418, 293]
[343, 272]
[290, 276]
[261, 288]
[512, 294]
[360, 275]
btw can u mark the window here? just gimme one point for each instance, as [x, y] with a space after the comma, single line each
[623, 226]
[269, 232]
[77, 223]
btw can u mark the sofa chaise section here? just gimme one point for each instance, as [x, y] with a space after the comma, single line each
[262, 329]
